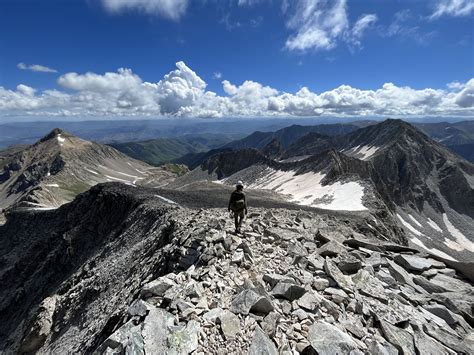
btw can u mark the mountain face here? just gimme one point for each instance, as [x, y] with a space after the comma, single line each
[164, 150]
[415, 179]
[60, 166]
[119, 270]
[288, 135]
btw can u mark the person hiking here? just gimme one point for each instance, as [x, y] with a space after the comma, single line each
[238, 205]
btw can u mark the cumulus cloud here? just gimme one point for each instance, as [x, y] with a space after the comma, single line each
[36, 68]
[456, 8]
[182, 93]
[320, 25]
[171, 9]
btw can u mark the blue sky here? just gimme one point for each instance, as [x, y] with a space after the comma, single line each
[279, 47]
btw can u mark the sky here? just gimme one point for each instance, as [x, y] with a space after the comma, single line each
[236, 58]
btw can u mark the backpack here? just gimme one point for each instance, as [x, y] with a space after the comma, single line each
[238, 205]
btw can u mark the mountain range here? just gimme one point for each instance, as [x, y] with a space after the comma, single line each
[359, 240]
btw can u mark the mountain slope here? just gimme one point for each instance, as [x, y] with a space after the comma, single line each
[59, 166]
[121, 271]
[390, 166]
[163, 150]
[288, 135]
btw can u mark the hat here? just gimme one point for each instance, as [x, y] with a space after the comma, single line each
[239, 183]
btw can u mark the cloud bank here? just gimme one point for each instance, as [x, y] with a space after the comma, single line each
[182, 93]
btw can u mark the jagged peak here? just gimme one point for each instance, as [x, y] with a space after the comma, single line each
[54, 134]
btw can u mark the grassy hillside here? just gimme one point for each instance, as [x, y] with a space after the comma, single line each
[163, 150]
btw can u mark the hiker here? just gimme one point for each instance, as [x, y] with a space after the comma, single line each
[238, 205]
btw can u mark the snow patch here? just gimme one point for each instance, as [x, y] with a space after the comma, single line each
[92, 171]
[117, 179]
[434, 251]
[60, 139]
[409, 226]
[51, 185]
[306, 189]
[461, 242]
[434, 225]
[166, 200]
[415, 221]
[367, 152]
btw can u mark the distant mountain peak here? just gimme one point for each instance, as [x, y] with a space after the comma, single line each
[54, 134]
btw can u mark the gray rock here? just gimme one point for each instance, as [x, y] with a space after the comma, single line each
[399, 273]
[399, 337]
[309, 301]
[328, 339]
[238, 257]
[249, 301]
[349, 264]
[376, 348]
[446, 338]
[450, 283]
[183, 340]
[442, 312]
[157, 287]
[427, 285]
[138, 308]
[273, 279]
[230, 324]
[261, 344]
[384, 276]
[155, 330]
[40, 326]
[338, 295]
[320, 284]
[333, 271]
[416, 263]
[125, 340]
[288, 291]
[332, 248]
[315, 262]
[296, 248]
[425, 344]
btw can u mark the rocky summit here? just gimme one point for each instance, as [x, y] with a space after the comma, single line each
[121, 271]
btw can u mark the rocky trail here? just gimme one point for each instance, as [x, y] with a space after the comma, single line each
[161, 278]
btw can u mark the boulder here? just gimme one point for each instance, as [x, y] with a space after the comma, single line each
[417, 263]
[155, 330]
[309, 301]
[288, 291]
[230, 324]
[442, 312]
[249, 301]
[157, 287]
[341, 280]
[273, 279]
[261, 344]
[399, 337]
[427, 285]
[349, 264]
[328, 339]
[331, 249]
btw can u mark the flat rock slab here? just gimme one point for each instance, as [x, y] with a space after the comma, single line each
[342, 280]
[417, 263]
[250, 301]
[328, 339]
[399, 337]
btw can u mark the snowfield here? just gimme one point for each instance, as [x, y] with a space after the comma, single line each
[461, 243]
[307, 190]
[409, 226]
[363, 153]
[434, 251]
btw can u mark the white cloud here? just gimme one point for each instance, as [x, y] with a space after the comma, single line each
[456, 8]
[320, 25]
[182, 93]
[171, 9]
[36, 68]
[362, 24]
[217, 75]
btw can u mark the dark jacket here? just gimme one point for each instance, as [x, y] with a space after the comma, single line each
[236, 196]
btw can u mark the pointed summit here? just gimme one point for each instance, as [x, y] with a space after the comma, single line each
[54, 134]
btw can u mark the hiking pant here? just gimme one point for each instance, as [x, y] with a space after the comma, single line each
[238, 218]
